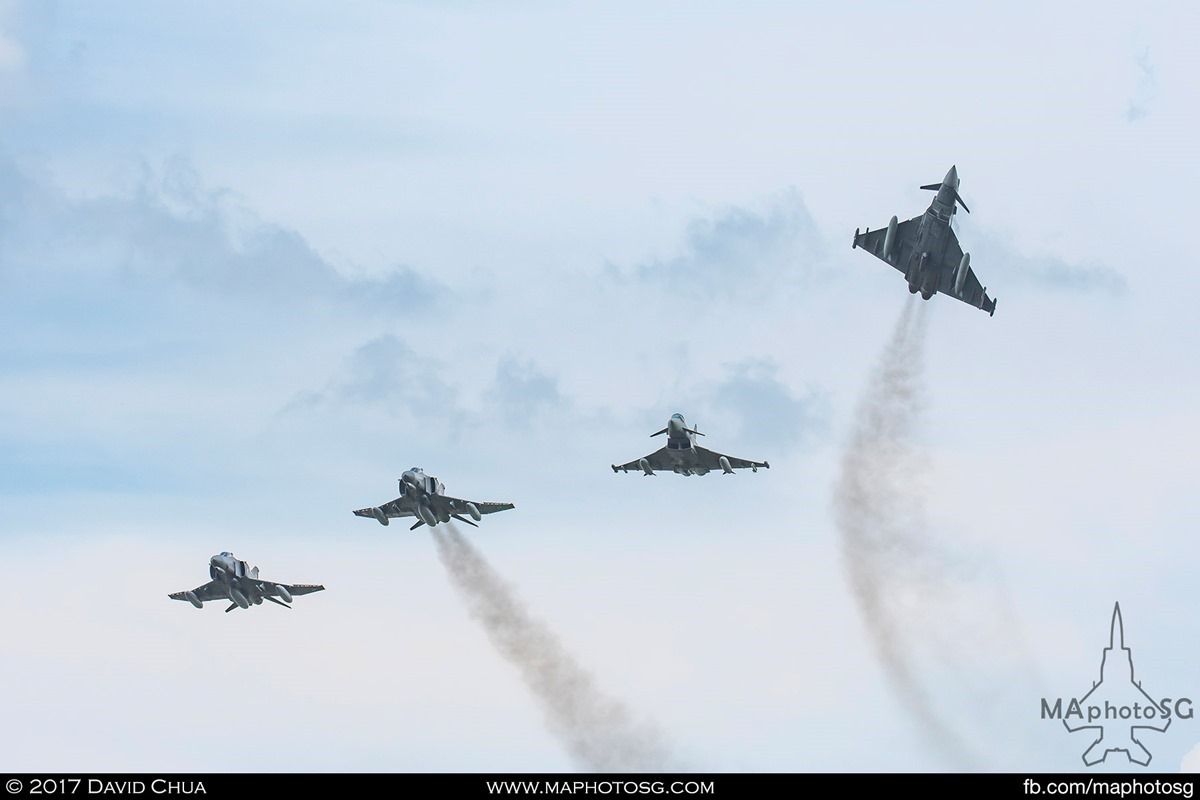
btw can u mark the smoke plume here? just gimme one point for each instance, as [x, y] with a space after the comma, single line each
[599, 732]
[894, 571]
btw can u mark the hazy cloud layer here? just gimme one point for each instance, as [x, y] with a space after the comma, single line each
[591, 244]
[1143, 94]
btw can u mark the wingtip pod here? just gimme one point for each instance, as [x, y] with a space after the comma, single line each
[983, 304]
[614, 466]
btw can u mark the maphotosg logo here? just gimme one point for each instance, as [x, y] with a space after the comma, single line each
[1117, 709]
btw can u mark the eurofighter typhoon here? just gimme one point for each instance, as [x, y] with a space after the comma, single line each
[236, 581]
[424, 497]
[926, 250]
[684, 457]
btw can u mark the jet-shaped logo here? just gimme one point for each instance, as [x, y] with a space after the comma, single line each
[1119, 700]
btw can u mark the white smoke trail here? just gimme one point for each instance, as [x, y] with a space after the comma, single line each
[599, 732]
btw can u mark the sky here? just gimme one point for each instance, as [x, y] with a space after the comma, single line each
[258, 259]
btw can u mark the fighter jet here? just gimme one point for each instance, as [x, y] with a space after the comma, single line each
[683, 456]
[424, 497]
[235, 580]
[926, 250]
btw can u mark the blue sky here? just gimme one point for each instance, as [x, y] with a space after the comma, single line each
[257, 261]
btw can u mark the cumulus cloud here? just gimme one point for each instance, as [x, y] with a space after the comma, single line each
[386, 373]
[170, 228]
[1049, 272]
[1055, 274]
[521, 391]
[124, 309]
[740, 252]
[769, 412]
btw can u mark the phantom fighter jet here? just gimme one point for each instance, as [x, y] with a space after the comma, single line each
[423, 496]
[235, 580]
[926, 250]
[684, 457]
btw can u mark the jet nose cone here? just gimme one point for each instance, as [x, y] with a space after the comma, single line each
[952, 177]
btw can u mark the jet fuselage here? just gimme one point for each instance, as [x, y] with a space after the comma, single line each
[681, 447]
[238, 576]
[415, 483]
[933, 237]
